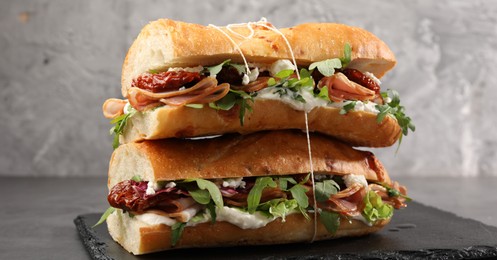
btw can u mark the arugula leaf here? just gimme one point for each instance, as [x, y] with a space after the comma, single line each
[213, 190]
[326, 67]
[298, 193]
[104, 216]
[214, 70]
[225, 103]
[235, 97]
[212, 212]
[240, 68]
[330, 220]
[349, 106]
[292, 86]
[283, 182]
[394, 109]
[254, 196]
[375, 208]
[284, 73]
[323, 94]
[137, 178]
[306, 179]
[244, 106]
[152, 71]
[325, 189]
[176, 232]
[205, 193]
[119, 124]
[304, 213]
[201, 196]
[384, 111]
[347, 55]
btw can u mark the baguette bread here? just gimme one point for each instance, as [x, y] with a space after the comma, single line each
[166, 43]
[140, 238]
[179, 165]
[358, 128]
[259, 154]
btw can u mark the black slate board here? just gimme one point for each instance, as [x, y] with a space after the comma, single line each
[417, 232]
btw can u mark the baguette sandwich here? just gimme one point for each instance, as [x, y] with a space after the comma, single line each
[245, 190]
[186, 80]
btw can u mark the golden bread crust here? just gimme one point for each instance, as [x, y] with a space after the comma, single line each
[358, 128]
[166, 43]
[282, 152]
[296, 229]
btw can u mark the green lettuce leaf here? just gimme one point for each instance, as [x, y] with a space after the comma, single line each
[375, 209]
[282, 208]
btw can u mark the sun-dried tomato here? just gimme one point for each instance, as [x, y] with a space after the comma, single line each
[166, 81]
[361, 79]
[131, 196]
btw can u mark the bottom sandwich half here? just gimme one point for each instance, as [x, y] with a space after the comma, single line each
[255, 189]
[139, 237]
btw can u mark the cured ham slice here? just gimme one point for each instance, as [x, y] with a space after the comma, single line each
[340, 88]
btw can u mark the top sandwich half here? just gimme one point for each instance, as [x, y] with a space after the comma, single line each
[186, 80]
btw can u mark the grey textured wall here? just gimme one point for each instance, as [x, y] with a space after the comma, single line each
[59, 60]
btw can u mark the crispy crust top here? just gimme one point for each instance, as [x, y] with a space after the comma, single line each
[166, 43]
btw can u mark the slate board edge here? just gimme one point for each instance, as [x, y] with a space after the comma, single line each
[97, 249]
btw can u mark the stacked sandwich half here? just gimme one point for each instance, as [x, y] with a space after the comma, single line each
[244, 135]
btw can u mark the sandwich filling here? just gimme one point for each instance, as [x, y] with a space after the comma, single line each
[235, 87]
[253, 202]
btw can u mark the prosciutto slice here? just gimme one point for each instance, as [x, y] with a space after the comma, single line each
[205, 91]
[340, 88]
[113, 107]
[258, 84]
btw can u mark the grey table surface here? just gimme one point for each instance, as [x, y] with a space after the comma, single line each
[36, 219]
